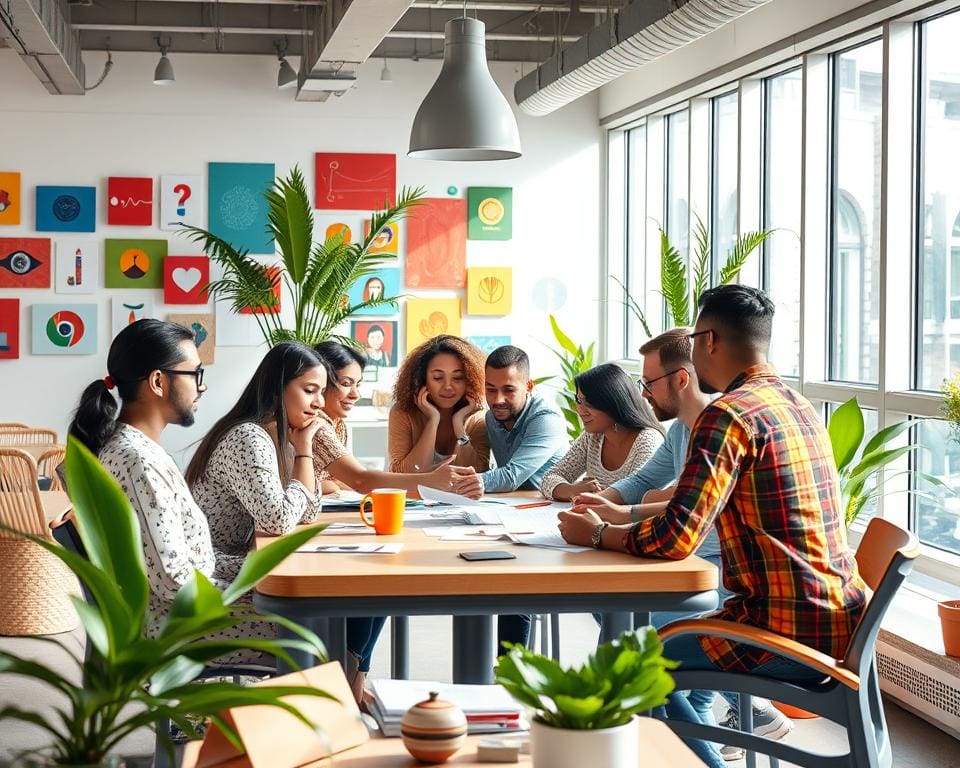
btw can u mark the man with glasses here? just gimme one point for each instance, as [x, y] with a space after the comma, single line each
[760, 467]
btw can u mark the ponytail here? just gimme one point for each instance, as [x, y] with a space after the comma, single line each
[94, 421]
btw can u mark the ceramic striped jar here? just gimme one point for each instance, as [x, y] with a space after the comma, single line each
[433, 730]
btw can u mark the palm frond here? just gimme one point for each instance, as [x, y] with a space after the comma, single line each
[673, 282]
[744, 245]
[630, 303]
[701, 268]
[291, 222]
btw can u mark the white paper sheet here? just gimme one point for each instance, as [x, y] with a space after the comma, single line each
[445, 497]
[546, 540]
[352, 549]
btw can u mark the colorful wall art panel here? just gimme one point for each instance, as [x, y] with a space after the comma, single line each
[383, 282]
[273, 273]
[355, 181]
[204, 329]
[78, 266]
[9, 329]
[130, 201]
[24, 262]
[489, 291]
[488, 343]
[9, 197]
[236, 208]
[338, 229]
[181, 201]
[387, 241]
[379, 340]
[427, 318]
[66, 209]
[437, 244]
[185, 278]
[128, 309]
[490, 212]
[64, 329]
[134, 263]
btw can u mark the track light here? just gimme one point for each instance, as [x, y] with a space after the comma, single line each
[163, 74]
[286, 76]
[386, 76]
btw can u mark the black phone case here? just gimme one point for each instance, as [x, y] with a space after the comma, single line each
[490, 554]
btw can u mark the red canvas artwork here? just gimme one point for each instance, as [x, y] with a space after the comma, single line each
[184, 279]
[354, 181]
[437, 244]
[274, 274]
[25, 262]
[9, 329]
[130, 201]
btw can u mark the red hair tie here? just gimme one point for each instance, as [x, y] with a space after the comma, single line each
[108, 381]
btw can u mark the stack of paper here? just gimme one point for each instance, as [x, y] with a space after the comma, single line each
[489, 708]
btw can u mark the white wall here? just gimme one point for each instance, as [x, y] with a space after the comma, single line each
[227, 108]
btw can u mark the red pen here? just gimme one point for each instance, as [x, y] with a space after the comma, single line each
[532, 504]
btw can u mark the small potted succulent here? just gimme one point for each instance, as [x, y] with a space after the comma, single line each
[587, 715]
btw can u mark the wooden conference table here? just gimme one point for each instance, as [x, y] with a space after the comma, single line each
[320, 590]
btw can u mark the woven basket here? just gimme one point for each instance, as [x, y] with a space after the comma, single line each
[35, 590]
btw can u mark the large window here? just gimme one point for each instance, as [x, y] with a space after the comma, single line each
[938, 324]
[677, 204]
[855, 215]
[936, 510]
[636, 231]
[724, 167]
[782, 139]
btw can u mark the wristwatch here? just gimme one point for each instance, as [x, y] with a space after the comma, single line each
[463, 440]
[596, 540]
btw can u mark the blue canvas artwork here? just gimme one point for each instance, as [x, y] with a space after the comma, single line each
[489, 343]
[236, 208]
[66, 209]
[383, 282]
[64, 329]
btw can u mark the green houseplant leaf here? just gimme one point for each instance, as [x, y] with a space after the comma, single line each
[846, 432]
[673, 282]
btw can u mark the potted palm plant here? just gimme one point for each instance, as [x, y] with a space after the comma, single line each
[587, 715]
[574, 360]
[128, 680]
[317, 276]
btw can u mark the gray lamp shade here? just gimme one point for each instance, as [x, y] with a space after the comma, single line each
[163, 74]
[286, 76]
[464, 116]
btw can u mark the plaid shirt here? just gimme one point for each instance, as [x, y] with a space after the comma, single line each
[760, 465]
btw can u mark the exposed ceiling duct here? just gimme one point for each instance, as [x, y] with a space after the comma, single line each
[643, 30]
[346, 35]
[40, 32]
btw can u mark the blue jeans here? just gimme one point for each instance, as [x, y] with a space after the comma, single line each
[687, 650]
[362, 634]
[513, 629]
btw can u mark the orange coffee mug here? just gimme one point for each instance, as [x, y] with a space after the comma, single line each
[387, 505]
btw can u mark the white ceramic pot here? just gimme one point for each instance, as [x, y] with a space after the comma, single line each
[607, 748]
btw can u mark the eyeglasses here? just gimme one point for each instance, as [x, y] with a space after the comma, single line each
[197, 374]
[694, 335]
[645, 383]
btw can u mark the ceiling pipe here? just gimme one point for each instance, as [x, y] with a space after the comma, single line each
[43, 38]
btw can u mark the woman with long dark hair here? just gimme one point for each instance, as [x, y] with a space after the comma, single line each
[155, 369]
[619, 434]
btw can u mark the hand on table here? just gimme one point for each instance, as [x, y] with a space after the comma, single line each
[603, 508]
[578, 527]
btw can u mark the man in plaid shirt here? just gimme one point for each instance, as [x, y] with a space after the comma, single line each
[759, 467]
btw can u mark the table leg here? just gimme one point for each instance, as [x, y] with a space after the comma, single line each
[613, 625]
[473, 649]
[641, 619]
[400, 655]
[336, 640]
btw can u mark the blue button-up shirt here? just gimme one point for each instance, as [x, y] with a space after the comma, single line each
[527, 452]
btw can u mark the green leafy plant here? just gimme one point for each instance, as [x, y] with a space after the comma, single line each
[126, 667]
[574, 360]
[861, 461]
[951, 403]
[619, 679]
[317, 277]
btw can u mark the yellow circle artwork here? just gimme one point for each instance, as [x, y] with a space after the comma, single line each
[490, 211]
[134, 263]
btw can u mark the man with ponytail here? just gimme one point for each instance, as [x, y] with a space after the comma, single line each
[154, 368]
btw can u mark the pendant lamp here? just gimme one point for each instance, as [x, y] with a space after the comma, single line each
[464, 116]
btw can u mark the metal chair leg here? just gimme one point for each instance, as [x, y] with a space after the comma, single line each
[555, 636]
[745, 710]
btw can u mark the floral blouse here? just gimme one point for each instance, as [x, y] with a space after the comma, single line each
[241, 491]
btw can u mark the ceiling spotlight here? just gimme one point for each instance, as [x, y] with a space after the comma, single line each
[163, 74]
[286, 76]
[386, 76]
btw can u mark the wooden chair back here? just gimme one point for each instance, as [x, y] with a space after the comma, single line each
[47, 466]
[6, 426]
[28, 436]
[20, 505]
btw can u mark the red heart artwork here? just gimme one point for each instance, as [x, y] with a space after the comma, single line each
[185, 278]
[130, 201]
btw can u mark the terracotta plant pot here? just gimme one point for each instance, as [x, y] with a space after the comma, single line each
[794, 713]
[949, 611]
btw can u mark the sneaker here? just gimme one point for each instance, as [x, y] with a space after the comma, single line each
[768, 721]
[729, 752]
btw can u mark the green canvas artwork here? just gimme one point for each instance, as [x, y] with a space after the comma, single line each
[134, 263]
[490, 213]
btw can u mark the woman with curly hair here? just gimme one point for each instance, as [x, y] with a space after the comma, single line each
[439, 409]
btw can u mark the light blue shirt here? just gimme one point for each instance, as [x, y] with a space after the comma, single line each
[662, 469]
[527, 452]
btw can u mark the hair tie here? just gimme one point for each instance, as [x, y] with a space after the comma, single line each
[108, 381]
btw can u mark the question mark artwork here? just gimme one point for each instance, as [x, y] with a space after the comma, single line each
[180, 198]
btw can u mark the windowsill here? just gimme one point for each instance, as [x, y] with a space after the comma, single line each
[913, 618]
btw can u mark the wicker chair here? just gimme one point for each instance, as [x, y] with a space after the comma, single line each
[35, 585]
[28, 436]
[7, 426]
[47, 467]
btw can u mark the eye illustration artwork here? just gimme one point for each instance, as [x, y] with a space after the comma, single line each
[20, 263]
